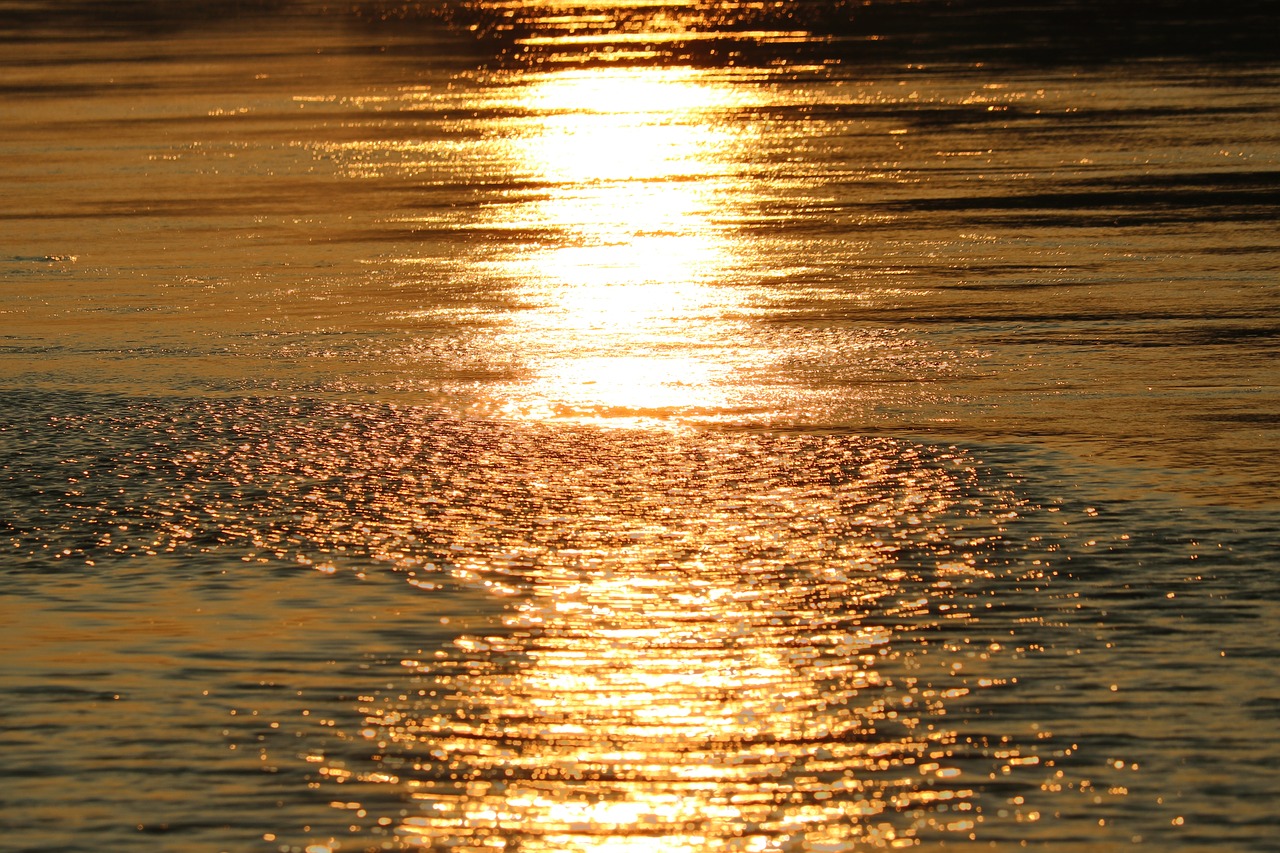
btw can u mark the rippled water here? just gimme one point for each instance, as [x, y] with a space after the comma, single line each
[530, 427]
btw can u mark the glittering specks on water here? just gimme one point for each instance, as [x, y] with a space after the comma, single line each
[713, 640]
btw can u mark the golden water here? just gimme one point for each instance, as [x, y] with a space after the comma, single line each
[525, 427]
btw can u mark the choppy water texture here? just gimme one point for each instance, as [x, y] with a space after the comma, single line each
[527, 427]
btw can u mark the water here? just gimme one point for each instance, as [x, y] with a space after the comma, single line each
[561, 429]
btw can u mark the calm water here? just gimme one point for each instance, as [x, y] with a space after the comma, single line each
[502, 426]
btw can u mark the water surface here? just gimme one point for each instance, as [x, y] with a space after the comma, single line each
[538, 428]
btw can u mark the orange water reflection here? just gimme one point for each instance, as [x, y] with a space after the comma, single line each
[715, 641]
[659, 707]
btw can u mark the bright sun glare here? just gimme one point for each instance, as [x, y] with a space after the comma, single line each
[624, 318]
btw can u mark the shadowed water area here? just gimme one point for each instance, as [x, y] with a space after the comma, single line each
[638, 426]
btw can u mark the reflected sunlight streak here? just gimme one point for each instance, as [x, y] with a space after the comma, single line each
[714, 642]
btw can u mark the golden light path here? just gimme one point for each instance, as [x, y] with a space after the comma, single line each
[712, 643]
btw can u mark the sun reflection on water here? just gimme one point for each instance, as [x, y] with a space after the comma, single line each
[715, 642]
